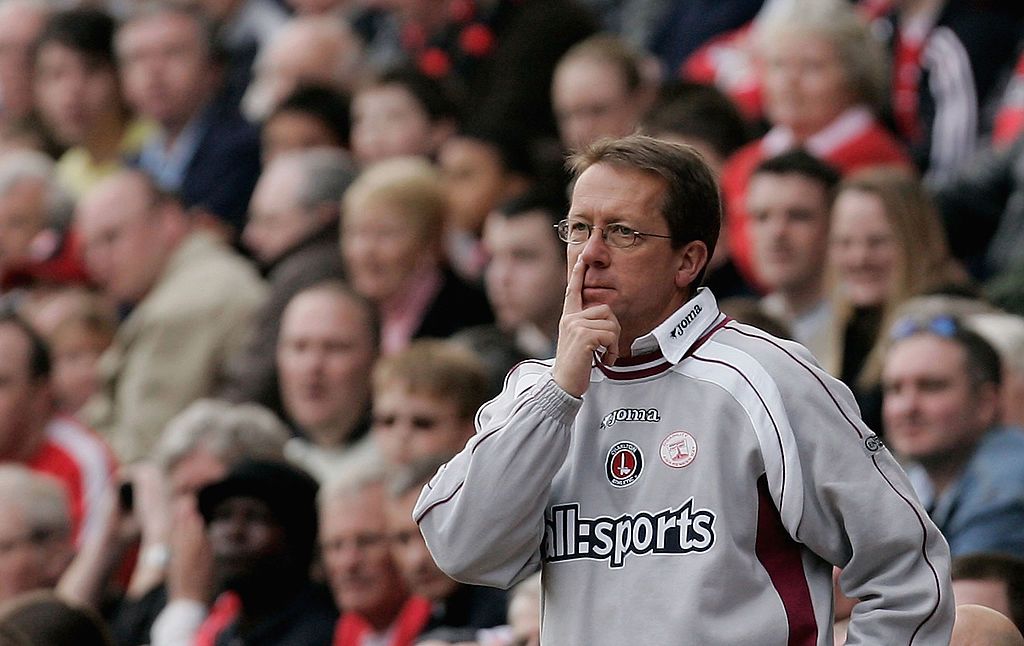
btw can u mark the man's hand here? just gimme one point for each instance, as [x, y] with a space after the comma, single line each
[581, 332]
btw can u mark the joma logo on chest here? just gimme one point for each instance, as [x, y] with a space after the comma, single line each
[630, 415]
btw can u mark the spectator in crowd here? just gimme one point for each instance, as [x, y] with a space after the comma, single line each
[355, 548]
[293, 233]
[885, 245]
[261, 521]
[600, 89]
[481, 167]
[32, 434]
[46, 619]
[401, 112]
[391, 241]
[308, 50]
[192, 302]
[78, 96]
[23, 20]
[948, 57]
[77, 342]
[424, 400]
[454, 604]
[203, 150]
[789, 198]
[824, 80]
[328, 342]
[502, 52]
[992, 580]
[525, 281]
[980, 626]
[36, 537]
[34, 215]
[941, 409]
[310, 117]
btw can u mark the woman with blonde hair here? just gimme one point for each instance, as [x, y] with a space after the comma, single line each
[886, 246]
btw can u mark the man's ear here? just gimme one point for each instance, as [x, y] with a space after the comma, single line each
[692, 258]
[987, 405]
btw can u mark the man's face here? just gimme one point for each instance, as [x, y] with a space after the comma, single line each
[388, 121]
[125, 250]
[411, 556]
[245, 538]
[26, 563]
[165, 66]
[789, 227]
[354, 545]
[276, 220]
[931, 410]
[639, 283]
[526, 275]
[474, 181]
[591, 101]
[22, 217]
[324, 356]
[75, 96]
[408, 426]
[22, 398]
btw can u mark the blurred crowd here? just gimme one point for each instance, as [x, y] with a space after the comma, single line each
[262, 260]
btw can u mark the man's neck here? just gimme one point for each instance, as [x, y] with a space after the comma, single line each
[338, 433]
[105, 143]
[383, 616]
[23, 449]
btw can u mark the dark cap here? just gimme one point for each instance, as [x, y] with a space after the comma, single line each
[288, 492]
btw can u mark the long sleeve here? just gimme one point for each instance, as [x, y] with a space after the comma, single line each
[482, 515]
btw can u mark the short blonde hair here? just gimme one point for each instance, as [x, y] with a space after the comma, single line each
[411, 185]
[42, 499]
[438, 369]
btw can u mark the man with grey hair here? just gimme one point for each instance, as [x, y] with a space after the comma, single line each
[293, 232]
[307, 50]
[32, 203]
[361, 572]
[35, 531]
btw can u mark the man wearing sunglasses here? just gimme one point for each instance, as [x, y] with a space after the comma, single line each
[678, 477]
[941, 412]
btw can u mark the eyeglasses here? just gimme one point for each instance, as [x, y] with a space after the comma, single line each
[943, 326]
[614, 235]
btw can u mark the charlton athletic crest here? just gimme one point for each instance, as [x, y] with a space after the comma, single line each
[624, 464]
[678, 449]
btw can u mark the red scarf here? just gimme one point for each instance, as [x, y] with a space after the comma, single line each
[411, 620]
[225, 610]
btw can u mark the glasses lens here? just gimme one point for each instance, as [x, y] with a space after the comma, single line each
[617, 235]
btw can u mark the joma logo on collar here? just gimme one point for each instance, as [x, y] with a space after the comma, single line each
[689, 318]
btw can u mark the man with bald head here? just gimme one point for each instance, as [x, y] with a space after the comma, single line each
[980, 626]
[293, 233]
[191, 301]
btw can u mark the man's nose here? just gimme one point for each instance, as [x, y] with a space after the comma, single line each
[595, 251]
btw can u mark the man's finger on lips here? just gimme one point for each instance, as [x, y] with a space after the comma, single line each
[574, 288]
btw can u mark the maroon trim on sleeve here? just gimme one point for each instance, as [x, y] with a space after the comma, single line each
[779, 554]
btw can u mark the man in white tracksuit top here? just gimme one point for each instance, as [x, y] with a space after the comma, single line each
[680, 478]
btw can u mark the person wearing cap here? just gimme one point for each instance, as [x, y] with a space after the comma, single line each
[941, 410]
[261, 521]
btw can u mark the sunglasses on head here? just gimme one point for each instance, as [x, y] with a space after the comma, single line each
[944, 326]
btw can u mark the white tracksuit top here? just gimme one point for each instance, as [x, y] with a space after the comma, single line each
[697, 495]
